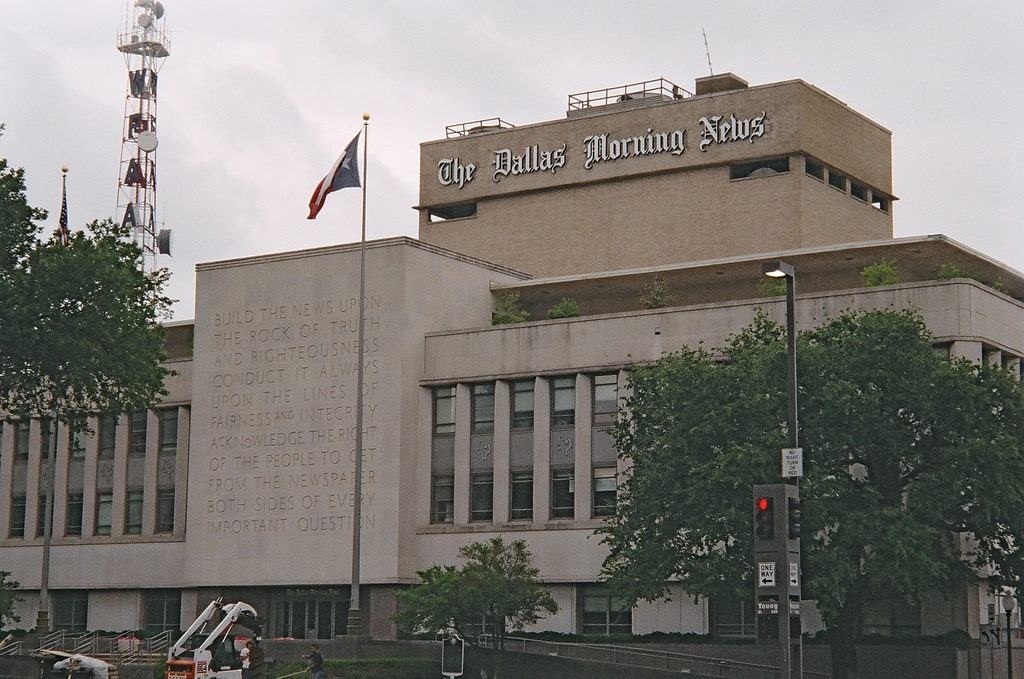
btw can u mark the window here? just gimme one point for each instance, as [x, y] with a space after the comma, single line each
[21, 440]
[444, 411]
[71, 611]
[41, 516]
[440, 214]
[858, 190]
[606, 390]
[161, 610]
[814, 168]
[522, 404]
[563, 494]
[104, 512]
[732, 617]
[604, 491]
[137, 433]
[18, 506]
[108, 436]
[759, 168]
[483, 408]
[442, 499]
[133, 512]
[604, 614]
[880, 201]
[165, 510]
[169, 431]
[522, 496]
[563, 401]
[836, 180]
[78, 445]
[482, 498]
[74, 515]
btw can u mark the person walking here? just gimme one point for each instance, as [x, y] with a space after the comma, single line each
[316, 662]
[257, 662]
[244, 656]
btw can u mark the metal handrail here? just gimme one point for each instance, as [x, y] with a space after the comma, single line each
[660, 88]
[477, 127]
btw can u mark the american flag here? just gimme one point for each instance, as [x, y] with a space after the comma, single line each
[64, 238]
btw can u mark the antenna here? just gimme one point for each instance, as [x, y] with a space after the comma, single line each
[144, 44]
[707, 51]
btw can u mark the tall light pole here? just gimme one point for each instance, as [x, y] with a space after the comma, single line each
[780, 269]
[1008, 605]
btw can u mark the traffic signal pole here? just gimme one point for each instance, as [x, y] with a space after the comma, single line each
[777, 581]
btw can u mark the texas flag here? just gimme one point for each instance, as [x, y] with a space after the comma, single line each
[344, 174]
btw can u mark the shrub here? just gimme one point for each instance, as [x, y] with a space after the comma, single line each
[769, 286]
[566, 308]
[883, 273]
[656, 295]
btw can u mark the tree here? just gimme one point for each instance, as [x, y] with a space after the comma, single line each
[494, 592]
[913, 467]
[8, 598]
[78, 332]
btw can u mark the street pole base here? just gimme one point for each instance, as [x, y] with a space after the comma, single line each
[42, 622]
[355, 622]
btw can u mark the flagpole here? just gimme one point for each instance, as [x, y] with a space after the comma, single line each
[355, 623]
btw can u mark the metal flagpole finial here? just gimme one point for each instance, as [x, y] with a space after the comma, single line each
[366, 116]
[64, 170]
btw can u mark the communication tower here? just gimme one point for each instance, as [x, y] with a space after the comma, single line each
[145, 45]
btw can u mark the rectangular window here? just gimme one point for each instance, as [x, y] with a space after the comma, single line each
[41, 516]
[521, 496]
[858, 190]
[483, 408]
[604, 491]
[133, 512]
[880, 201]
[161, 610]
[71, 611]
[18, 507]
[75, 513]
[759, 168]
[563, 401]
[137, 436]
[563, 494]
[606, 394]
[165, 510]
[442, 499]
[814, 168]
[605, 614]
[836, 180]
[169, 431]
[104, 512]
[21, 440]
[108, 436]
[78, 445]
[522, 404]
[481, 506]
[444, 410]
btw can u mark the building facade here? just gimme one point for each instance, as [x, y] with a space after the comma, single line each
[239, 484]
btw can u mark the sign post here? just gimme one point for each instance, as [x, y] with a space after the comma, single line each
[777, 562]
[453, 655]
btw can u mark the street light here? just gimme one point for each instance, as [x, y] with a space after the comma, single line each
[780, 269]
[1008, 605]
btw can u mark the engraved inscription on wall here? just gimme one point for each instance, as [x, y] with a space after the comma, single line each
[282, 430]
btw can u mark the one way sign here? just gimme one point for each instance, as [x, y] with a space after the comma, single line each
[766, 574]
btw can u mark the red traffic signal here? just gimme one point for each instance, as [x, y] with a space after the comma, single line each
[764, 518]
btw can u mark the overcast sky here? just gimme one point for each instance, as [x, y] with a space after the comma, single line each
[258, 98]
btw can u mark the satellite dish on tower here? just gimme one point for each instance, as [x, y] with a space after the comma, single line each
[145, 20]
[158, 10]
[163, 242]
[147, 141]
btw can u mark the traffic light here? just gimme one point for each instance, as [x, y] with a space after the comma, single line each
[764, 518]
[795, 516]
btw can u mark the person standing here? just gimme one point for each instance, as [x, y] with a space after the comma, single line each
[244, 655]
[257, 662]
[316, 662]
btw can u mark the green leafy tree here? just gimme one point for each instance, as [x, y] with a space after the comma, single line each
[494, 592]
[507, 309]
[8, 598]
[883, 273]
[912, 468]
[655, 295]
